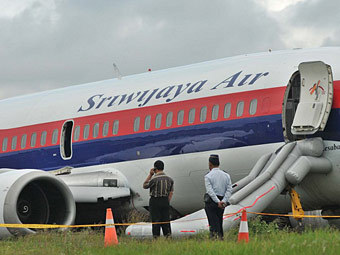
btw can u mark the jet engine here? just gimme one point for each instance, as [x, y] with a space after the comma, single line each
[33, 197]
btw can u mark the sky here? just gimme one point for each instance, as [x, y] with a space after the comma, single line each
[48, 44]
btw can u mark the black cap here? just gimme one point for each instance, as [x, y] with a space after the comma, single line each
[214, 159]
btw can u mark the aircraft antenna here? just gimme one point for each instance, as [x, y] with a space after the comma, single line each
[117, 72]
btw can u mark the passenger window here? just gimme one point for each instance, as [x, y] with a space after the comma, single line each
[86, 131]
[77, 133]
[214, 113]
[4, 144]
[115, 127]
[105, 128]
[203, 115]
[23, 141]
[33, 139]
[227, 110]
[253, 107]
[14, 142]
[180, 116]
[192, 115]
[239, 109]
[43, 138]
[147, 122]
[55, 136]
[169, 119]
[136, 124]
[95, 130]
[158, 121]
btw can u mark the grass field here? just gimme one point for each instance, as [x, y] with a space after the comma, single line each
[264, 239]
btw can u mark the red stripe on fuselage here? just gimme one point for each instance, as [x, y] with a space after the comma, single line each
[336, 95]
[269, 102]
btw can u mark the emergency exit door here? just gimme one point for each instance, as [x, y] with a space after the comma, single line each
[316, 97]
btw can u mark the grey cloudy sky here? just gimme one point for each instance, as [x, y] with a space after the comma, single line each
[46, 44]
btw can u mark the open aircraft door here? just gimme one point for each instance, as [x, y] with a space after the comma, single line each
[316, 97]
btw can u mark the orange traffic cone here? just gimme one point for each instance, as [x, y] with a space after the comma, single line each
[110, 231]
[243, 234]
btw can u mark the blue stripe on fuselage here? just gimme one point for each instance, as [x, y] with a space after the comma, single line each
[189, 139]
[175, 141]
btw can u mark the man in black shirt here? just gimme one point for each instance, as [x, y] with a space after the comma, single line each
[161, 189]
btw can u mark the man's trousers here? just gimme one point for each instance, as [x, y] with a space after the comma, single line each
[160, 212]
[215, 218]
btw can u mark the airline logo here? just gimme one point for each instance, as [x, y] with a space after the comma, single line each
[315, 88]
[169, 93]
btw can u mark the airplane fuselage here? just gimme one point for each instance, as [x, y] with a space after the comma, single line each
[232, 107]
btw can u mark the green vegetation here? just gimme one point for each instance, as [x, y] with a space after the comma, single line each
[264, 239]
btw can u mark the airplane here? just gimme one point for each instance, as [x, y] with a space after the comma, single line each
[67, 154]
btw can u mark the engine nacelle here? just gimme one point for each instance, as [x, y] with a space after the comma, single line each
[33, 197]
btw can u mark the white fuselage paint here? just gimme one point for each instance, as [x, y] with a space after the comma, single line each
[177, 84]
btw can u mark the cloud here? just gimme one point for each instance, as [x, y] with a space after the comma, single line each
[277, 6]
[11, 8]
[54, 43]
[310, 24]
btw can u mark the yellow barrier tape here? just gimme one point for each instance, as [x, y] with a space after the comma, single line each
[54, 226]
[47, 226]
[292, 215]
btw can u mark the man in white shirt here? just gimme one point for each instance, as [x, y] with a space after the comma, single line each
[218, 186]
